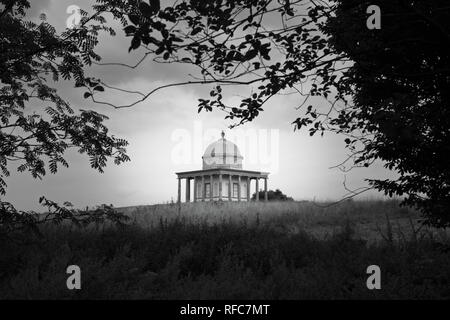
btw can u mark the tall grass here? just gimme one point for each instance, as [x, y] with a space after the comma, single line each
[369, 218]
[289, 250]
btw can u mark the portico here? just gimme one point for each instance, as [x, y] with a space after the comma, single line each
[222, 177]
[221, 184]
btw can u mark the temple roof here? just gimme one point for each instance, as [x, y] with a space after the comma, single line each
[222, 154]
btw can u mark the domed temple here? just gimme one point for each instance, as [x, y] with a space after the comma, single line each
[222, 176]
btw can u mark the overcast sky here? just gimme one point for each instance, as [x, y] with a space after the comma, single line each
[167, 135]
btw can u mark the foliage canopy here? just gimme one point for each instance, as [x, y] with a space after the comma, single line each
[387, 89]
[37, 125]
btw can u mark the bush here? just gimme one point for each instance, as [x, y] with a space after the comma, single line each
[276, 195]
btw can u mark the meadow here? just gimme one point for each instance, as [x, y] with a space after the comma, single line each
[257, 250]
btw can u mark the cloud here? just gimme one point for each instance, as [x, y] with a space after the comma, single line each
[38, 7]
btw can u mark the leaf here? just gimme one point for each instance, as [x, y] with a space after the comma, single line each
[134, 19]
[146, 10]
[159, 50]
[135, 43]
[130, 29]
[154, 41]
[87, 95]
[155, 5]
[250, 54]
[99, 88]
[195, 31]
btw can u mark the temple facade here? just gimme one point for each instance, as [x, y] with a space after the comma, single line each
[222, 177]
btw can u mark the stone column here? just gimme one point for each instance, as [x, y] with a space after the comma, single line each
[195, 189]
[202, 189]
[188, 189]
[265, 189]
[220, 186]
[257, 189]
[239, 188]
[248, 188]
[179, 190]
[230, 187]
[211, 189]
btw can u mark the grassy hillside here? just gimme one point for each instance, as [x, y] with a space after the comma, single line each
[371, 220]
[288, 250]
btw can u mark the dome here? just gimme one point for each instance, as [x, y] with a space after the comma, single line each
[222, 154]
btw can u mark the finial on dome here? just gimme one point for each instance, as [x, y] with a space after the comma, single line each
[223, 135]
